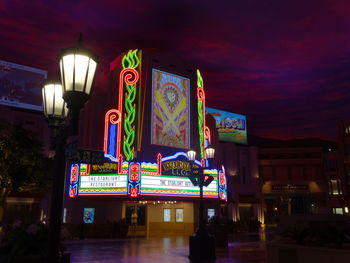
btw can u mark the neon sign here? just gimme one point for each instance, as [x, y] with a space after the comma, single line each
[134, 180]
[112, 122]
[143, 179]
[103, 181]
[222, 184]
[201, 112]
[74, 177]
[168, 176]
[130, 76]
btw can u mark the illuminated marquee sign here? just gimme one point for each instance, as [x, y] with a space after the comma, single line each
[106, 168]
[86, 179]
[174, 185]
[103, 181]
[177, 168]
[143, 179]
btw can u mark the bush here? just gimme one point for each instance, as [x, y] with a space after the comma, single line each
[22, 241]
[319, 234]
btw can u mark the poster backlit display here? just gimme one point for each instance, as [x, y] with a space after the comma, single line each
[21, 85]
[230, 126]
[89, 215]
[170, 110]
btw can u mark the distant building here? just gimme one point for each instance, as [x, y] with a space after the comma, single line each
[241, 162]
[340, 183]
[20, 103]
[298, 179]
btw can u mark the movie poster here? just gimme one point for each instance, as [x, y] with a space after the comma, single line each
[170, 110]
[89, 215]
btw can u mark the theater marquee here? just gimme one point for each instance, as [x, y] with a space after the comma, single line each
[168, 177]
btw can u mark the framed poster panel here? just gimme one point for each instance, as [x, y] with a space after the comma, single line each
[170, 110]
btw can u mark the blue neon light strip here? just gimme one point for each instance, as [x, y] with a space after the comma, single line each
[111, 158]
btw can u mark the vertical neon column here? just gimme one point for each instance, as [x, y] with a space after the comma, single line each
[134, 185]
[204, 132]
[73, 181]
[222, 184]
[130, 77]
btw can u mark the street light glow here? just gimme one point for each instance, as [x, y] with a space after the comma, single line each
[77, 72]
[209, 153]
[77, 66]
[53, 103]
[191, 154]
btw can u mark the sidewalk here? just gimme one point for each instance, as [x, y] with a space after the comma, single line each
[156, 250]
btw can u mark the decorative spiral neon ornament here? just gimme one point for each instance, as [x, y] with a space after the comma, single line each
[112, 118]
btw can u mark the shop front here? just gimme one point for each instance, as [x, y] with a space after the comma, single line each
[290, 199]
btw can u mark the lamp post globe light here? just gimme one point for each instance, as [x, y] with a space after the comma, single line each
[209, 153]
[202, 246]
[55, 109]
[191, 155]
[77, 66]
[53, 103]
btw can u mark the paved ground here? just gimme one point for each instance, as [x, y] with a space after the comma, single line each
[157, 250]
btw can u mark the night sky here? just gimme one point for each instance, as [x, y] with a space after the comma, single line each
[285, 64]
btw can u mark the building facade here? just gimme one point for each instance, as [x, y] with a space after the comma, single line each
[20, 104]
[146, 113]
[298, 180]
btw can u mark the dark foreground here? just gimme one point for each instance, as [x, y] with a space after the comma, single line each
[157, 250]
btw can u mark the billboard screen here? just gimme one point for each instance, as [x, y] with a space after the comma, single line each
[20, 85]
[231, 127]
[170, 110]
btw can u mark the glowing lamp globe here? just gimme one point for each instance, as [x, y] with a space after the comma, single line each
[53, 103]
[77, 66]
[209, 153]
[191, 155]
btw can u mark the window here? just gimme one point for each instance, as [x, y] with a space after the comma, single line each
[335, 187]
[211, 212]
[64, 215]
[330, 165]
[166, 215]
[338, 210]
[243, 175]
[179, 215]
[89, 215]
[347, 130]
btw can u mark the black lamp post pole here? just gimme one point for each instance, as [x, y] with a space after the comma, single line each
[202, 246]
[57, 198]
[201, 227]
[58, 184]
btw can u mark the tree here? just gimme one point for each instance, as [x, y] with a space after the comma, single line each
[23, 166]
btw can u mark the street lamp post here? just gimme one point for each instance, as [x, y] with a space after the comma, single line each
[202, 245]
[77, 66]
